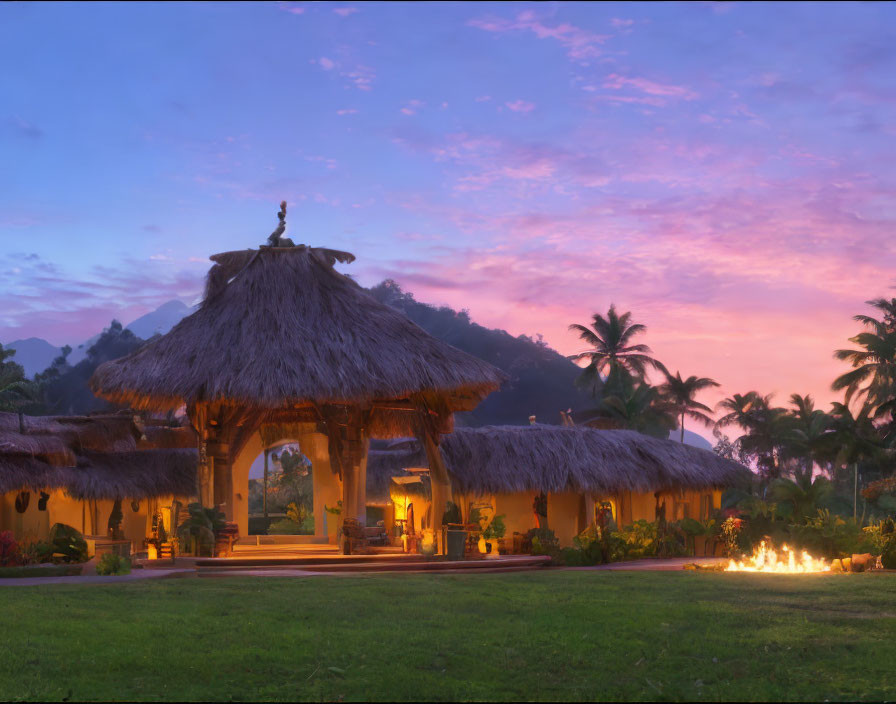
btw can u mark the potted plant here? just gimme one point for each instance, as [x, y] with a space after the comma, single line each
[428, 544]
[333, 526]
[492, 533]
[456, 536]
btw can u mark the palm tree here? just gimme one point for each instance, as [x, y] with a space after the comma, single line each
[739, 407]
[765, 428]
[611, 349]
[634, 405]
[852, 438]
[874, 365]
[807, 439]
[887, 307]
[805, 496]
[680, 394]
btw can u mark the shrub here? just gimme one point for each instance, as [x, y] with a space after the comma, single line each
[37, 553]
[288, 526]
[68, 544]
[111, 563]
[496, 529]
[637, 540]
[544, 542]
[829, 535]
[10, 556]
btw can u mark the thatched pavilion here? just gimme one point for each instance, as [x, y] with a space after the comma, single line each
[574, 467]
[285, 346]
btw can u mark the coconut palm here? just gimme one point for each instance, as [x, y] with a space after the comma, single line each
[739, 407]
[612, 351]
[765, 428]
[680, 394]
[807, 439]
[873, 377]
[804, 497]
[853, 438]
[633, 404]
[885, 306]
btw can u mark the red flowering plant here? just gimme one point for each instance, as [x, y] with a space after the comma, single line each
[731, 528]
[9, 550]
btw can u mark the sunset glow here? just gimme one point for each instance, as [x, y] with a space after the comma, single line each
[724, 171]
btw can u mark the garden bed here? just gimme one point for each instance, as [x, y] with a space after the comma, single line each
[40, 571]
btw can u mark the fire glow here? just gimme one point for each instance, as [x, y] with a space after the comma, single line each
[766, 559]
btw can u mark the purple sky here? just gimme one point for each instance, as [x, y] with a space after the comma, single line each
[725, 171]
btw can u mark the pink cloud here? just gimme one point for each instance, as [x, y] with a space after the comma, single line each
[616, 82]
[361, 77]
[345, 11]
[580, 44]
[621, 23]
[412, 106]
[292, 9]
[523, 106]
[347, 111]
[326, 64]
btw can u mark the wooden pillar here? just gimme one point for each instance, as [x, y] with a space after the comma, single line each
[204, 474]
[361, 485]
[264, 497]
[350, 491]
[440, 482]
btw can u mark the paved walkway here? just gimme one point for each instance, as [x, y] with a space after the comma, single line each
[134, 576]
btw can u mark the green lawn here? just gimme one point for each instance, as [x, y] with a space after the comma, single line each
[537, 635]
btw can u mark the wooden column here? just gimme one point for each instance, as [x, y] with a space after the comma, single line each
[440, 482]
[204, 477]
[350, 491]
[361, 484]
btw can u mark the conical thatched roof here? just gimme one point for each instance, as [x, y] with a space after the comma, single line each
[96, 457]
[506, 459]
[280, 327]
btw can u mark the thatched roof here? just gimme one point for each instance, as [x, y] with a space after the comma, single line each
[280, 327]
[96, 457]
[506, 459]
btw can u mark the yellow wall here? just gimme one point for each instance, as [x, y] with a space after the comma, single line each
[517, 510]
[34, 525]
[563, 516]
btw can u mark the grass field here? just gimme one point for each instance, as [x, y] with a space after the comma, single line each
[538, 635]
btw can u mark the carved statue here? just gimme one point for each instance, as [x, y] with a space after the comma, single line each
[276, 239]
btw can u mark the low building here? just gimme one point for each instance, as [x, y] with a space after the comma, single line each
[574, 468]
[73, 469]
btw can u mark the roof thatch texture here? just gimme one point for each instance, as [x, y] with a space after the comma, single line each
[96, 457]
[507, 459]
[280, 327]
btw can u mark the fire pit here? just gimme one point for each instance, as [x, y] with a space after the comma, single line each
[766, 559]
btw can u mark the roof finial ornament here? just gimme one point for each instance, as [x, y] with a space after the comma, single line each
[276, 239]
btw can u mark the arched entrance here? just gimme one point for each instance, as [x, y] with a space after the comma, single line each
[308, 474]
[281, 492]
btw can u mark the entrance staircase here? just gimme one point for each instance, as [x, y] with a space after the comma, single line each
[270, 561]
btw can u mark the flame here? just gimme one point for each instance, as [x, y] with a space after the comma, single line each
[765, 559]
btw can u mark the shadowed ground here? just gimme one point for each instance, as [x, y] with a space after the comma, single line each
[535, 635]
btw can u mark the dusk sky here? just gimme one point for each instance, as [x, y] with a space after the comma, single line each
[725, 171]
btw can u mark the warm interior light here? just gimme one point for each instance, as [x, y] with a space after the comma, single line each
[152, 552]
[766, 559]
